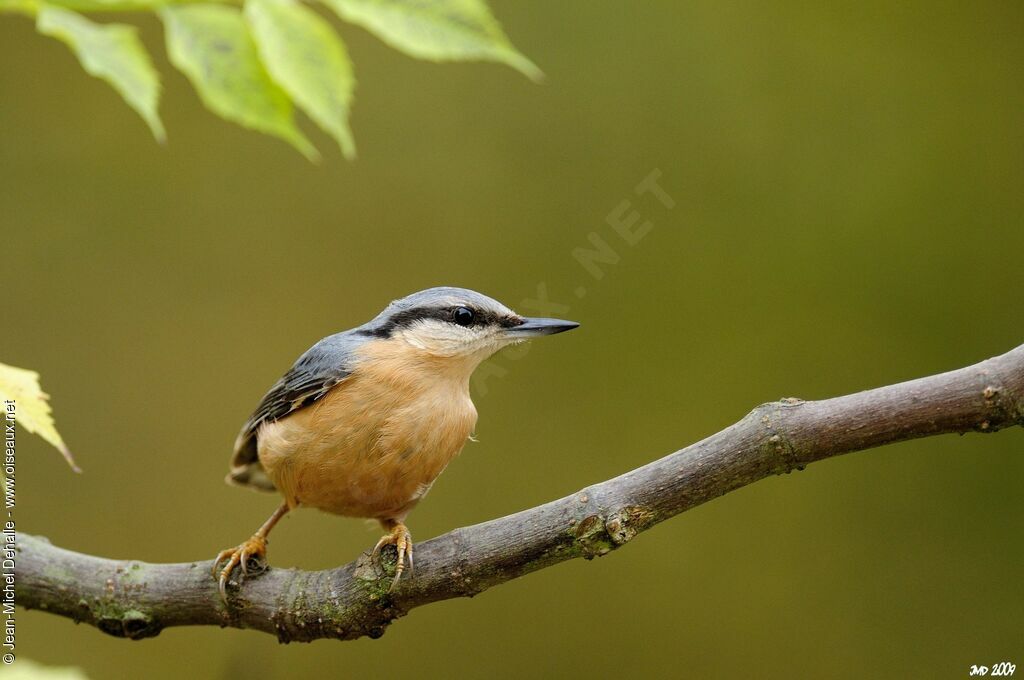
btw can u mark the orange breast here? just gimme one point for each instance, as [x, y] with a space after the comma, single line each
[374, 444]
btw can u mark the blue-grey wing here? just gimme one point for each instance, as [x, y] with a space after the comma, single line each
[316, 372]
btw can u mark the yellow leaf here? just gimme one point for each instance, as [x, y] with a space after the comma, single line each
[31, 408]
[27, 669]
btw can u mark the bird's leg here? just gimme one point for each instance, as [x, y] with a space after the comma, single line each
[398, 535]
[254, 548]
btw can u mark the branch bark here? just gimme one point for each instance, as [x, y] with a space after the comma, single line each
[137, 600]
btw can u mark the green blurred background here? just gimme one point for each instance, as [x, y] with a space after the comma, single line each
[849, 211]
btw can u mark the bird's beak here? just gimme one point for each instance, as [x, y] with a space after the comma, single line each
[533, 327]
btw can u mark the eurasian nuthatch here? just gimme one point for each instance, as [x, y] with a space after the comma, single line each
[366, 419]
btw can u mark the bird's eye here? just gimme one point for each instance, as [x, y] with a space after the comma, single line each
[462, 316]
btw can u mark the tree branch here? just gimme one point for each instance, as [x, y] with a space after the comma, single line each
[138, 600]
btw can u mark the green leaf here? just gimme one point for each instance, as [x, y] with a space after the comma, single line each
[307, 59]
[438, 30]
[211, 45]
[30, 407]
[112, 52]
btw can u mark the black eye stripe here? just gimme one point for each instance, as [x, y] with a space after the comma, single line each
[408, 317]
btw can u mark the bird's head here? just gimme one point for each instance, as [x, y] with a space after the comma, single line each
[458, 323]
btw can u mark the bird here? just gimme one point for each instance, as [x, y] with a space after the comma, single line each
[366, 419]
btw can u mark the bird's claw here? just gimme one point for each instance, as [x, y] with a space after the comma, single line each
[254, 549]
[399, 537]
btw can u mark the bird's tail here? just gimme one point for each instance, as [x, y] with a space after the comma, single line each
[250, 475]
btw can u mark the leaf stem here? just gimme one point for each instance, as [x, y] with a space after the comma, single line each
[31, 7]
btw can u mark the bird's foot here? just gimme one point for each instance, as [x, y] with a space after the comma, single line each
[399, 537]
[250, 557]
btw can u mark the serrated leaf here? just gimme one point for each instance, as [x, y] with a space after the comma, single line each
[308, 60]
[31, 408]
[438, 30]
[112, 52]
[212, 46]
